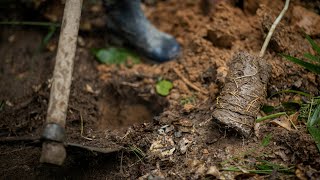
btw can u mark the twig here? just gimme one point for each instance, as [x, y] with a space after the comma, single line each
[81, 129]
[121, 165]
[127, 133]
[273, 27]
[185, 80]
[94, 149]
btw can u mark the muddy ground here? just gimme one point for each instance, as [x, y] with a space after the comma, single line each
[154, 137]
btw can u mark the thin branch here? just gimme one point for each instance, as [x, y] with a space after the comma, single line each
[273, 27]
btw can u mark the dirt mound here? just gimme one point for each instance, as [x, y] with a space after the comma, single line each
[171, 137]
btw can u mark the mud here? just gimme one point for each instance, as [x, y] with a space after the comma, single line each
[173, 137]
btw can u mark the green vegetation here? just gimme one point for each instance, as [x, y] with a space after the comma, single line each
[137, 151]
[313, 61]
[188, 100]
[163, 87]
[310, 110]
[271, 116]
[263, 169]
[117, 56]
[239, 163]
[313, 122]
[266, 140]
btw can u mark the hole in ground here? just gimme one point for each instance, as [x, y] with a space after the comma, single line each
[219, 39]
[122, 106]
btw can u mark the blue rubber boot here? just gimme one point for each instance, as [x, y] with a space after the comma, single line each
[127, 20]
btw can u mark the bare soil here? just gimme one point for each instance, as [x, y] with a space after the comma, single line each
[172, 137]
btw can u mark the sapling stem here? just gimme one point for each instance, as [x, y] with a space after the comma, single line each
[273, 27]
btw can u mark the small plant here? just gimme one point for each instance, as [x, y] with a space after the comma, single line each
[309, 111]
[163, 87]
[137, 151]
[188, 100]
[313, 61]
[117, 56]
[313, 123]
[262, 167]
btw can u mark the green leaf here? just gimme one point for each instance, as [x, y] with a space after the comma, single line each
[163, 87]
[114, 55]
[313, 44]
[315, 118]
[315, 133]
[312, 57]
[312, 67]
[313, 124]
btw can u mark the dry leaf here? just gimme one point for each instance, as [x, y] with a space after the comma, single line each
[283, 122]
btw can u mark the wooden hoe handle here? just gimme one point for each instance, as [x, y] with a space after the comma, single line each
[53, 150]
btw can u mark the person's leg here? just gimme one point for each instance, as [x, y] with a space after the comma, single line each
[126, 18]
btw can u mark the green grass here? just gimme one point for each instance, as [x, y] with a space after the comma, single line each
[260, 171]
[262, 167]
[313, 123]
[308, 111]
[271, 116]
[252, 161]
[137, 151]
[310, 62]
[266, 140]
